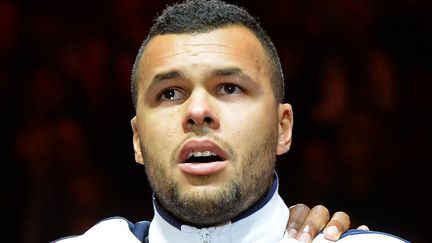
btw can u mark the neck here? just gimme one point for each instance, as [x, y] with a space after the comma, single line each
[175, 221]
[265, 221]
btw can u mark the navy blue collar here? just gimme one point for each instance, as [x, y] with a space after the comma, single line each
[176, 222]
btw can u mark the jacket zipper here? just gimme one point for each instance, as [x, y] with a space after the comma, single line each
[205, 235]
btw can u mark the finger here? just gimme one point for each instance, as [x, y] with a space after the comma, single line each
[363, 227]
[298, 214]
[314, 223]
[339, 223]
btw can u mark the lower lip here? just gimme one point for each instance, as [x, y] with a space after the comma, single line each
[203, 169]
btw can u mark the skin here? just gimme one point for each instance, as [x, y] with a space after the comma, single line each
[212, 88]
[305, 223]
[221, 94]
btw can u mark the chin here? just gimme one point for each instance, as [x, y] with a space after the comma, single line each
[204, 205]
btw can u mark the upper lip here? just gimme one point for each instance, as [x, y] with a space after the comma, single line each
[200, 145]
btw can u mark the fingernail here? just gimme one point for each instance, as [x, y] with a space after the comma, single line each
[304, 237]
[363, 227]
[292, 233]
[332, 230]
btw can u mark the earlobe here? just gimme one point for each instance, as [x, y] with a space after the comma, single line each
[136, 142]
[285, 125]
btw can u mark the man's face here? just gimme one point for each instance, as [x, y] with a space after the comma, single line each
[207, 125]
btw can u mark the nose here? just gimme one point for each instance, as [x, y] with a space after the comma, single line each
[199, 112]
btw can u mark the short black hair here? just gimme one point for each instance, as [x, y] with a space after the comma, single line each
[201, 16]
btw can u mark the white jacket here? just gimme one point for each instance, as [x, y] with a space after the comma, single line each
[265, 222]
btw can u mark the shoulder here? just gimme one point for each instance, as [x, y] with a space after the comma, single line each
[114, 229]
[361, 236]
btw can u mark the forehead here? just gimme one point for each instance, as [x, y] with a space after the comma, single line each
[229, 46]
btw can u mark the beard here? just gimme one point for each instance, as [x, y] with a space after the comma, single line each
[212, 207]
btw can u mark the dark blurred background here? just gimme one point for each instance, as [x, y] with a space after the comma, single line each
[358, 75]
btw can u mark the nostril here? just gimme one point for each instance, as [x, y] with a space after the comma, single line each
[208, 120]
[191, 121]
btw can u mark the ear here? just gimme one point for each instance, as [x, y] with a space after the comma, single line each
[285, 125]
[136, 142]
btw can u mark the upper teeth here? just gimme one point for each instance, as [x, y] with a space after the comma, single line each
[201, 154]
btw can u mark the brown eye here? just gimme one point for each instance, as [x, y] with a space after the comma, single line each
[171, 94]
[230, 89]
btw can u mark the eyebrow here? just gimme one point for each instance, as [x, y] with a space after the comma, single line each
[164, 76]
[167, 75]
[229, 71]
[217, 72]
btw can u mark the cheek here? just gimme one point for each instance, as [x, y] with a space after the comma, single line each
[251, 125]
[158, 128]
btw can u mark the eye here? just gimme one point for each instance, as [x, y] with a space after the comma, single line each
[230, 89]
[171, 94]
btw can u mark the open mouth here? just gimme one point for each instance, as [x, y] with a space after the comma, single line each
[200, 157]
[203, 157]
